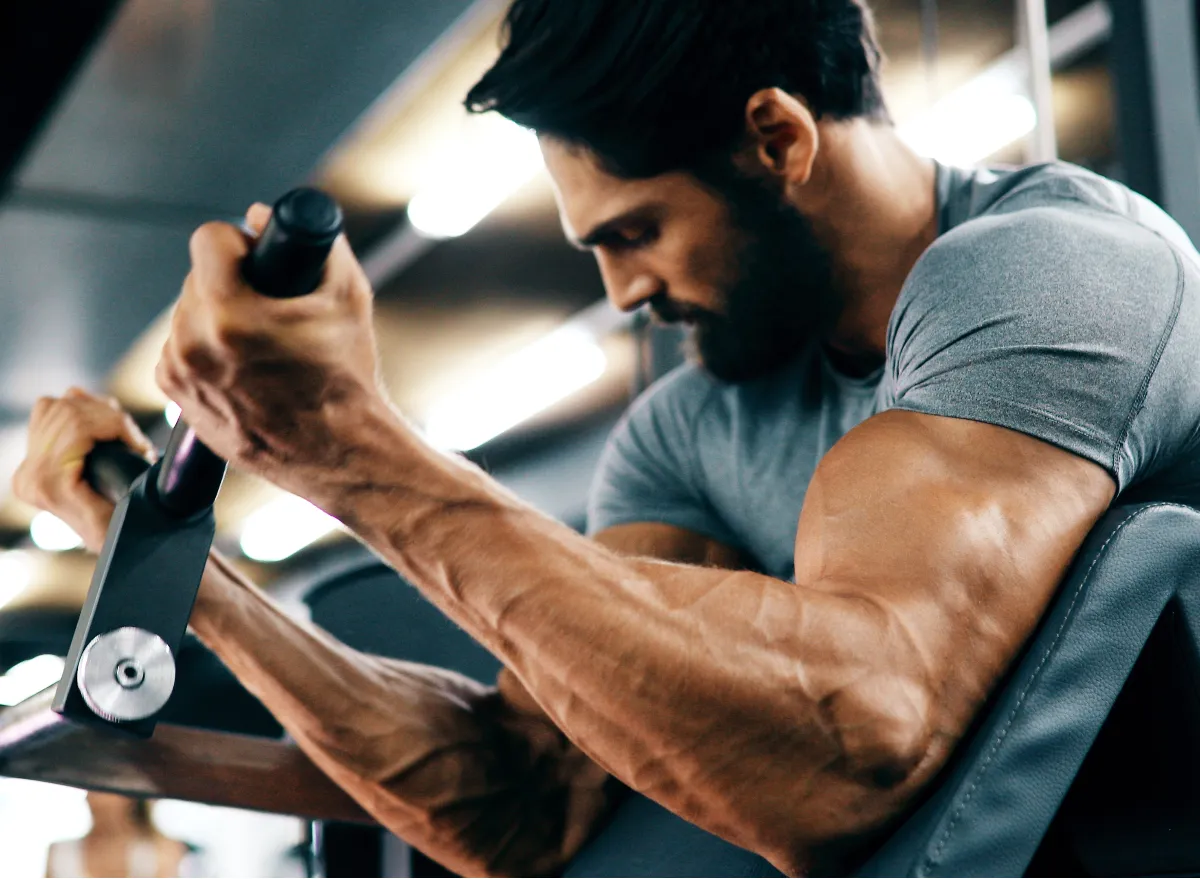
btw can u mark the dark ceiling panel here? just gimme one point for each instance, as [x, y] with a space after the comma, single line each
[217, 102]
[74, 293]
[40, 48]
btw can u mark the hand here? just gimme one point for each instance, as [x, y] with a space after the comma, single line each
[62, 432]
[271, 385]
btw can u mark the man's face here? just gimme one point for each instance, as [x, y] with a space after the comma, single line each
[726, 256]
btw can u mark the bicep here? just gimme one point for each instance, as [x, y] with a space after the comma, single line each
[958, 532]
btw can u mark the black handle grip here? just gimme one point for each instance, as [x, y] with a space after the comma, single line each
[287, 260]
[112, 468]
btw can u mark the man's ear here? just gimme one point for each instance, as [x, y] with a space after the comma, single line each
[783, 132]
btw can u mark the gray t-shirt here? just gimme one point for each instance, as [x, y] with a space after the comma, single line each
[1053, 302]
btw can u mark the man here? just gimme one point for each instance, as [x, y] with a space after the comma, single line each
[814, 552]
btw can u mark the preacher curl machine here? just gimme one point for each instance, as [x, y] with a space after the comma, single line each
[1082, 762]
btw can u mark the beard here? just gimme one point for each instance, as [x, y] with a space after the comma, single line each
[780, 293]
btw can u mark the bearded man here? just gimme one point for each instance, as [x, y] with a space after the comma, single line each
[813, 551]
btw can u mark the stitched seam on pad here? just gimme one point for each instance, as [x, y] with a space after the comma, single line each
[1140, 399]
[932, 861]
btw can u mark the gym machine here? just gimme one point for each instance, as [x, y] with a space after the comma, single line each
[97, 728]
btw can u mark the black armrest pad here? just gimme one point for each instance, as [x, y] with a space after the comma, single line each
[991, 807]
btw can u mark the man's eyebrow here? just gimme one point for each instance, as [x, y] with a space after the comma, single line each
[606, 229]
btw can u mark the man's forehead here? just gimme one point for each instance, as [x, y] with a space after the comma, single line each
[589, 196]
[586, 193]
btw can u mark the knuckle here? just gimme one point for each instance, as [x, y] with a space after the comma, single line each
[169, 377]
[204, 234]
[198, 360]
[20, 482]
[29, 485]
[75, 415]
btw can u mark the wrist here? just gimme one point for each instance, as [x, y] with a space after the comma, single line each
[368, 444]
[387, 478]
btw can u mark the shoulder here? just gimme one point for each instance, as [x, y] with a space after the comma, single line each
[1041, 210]
[1022, 217]
[1057, 255]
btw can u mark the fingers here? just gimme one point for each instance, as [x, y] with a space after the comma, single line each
[217, 251]
[345, 275]
[62, 432]
[133, 437]
[122, 426]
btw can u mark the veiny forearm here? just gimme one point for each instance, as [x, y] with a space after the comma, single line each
[731, 697]
[466, 773]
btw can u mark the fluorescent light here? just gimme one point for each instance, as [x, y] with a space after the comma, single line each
[171, 413]
[992, 110]
[964, 129]
[53, 534]
[283, 527]
[515, 389]
[16, 573]
[494, 160]
[29, 677]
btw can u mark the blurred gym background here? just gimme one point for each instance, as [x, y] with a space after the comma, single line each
[127, 124]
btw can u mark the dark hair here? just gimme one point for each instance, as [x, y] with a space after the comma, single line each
[652, 86]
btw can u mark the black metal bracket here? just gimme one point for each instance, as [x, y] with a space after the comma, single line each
[147, 576]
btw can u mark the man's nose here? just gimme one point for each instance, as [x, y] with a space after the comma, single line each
[628, 290]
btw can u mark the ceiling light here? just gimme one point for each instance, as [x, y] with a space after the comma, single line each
[53, 534]
[993, 110]
[16, 573]
[494, 159]
[27, 678]
[972, 123]
[283, 527]
[171, 413]
[486, 405]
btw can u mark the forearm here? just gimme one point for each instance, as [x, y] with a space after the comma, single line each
[724, 695]
[457, 769]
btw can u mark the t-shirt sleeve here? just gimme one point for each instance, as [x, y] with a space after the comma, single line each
[1048, 320]
[650, 472]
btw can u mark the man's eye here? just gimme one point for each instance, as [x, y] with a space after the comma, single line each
[635, 237]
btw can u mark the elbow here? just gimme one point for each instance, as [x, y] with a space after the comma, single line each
[883, 725]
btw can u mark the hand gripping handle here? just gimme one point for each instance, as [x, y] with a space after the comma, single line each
[287, 260]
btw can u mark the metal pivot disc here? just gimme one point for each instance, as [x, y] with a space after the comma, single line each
[126, 674]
